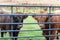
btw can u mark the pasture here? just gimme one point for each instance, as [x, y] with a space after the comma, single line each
[29, 26]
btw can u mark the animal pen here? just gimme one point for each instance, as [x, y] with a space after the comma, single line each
[30, 14]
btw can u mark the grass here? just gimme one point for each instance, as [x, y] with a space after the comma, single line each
[32, 27]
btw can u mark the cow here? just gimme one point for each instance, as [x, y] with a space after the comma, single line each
[52, 19]
[7, 19]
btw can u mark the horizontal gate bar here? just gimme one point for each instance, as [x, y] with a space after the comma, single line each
[27, 5]
[17, 30]
[29, 36]
[30, 14]
[34, 23]
[28, 30]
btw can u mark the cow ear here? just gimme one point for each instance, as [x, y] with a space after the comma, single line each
[35, 17]
[24, 17]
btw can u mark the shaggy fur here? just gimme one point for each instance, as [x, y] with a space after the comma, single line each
[46, 26]
[7, 19]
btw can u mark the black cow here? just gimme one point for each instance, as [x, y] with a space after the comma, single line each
[7, 19]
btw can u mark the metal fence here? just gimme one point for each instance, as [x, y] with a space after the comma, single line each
[49, 8]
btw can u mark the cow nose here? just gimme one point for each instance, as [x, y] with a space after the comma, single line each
[19, 26]
[42, 26]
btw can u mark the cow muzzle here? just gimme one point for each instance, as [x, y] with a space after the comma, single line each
[19, 26]
[42, 26]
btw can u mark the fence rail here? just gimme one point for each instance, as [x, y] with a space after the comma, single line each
[28, 5]
[28, 14]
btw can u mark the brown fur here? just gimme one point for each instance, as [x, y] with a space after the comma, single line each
[46, 26]
[7, 19]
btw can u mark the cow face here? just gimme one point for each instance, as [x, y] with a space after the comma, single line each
[19, 19]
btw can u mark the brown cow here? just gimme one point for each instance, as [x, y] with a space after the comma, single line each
[7, 19]
[46, 26]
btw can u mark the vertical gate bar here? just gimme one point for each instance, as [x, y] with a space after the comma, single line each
[34, 10]
[11, 21]
[23, 9]
[49, 24]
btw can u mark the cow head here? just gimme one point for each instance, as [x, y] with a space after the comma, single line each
[19, 19]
